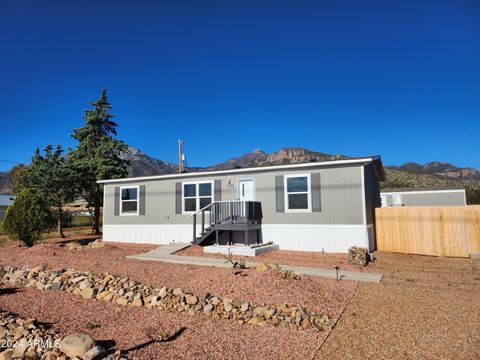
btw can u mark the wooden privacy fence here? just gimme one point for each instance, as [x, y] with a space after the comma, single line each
[429, 230]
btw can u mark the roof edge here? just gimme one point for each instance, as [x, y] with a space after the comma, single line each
[368, 159]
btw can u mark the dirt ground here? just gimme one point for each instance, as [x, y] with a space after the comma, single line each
[425, 308]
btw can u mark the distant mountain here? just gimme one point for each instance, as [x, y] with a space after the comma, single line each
[252, 159]
[6, 183]
[396, 178]
[143, 165]
[299, 155]
[434, 174]
[441, 168]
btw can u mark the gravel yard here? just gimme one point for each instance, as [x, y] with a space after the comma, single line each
[425, 308]
[203, 337]
[320, 295]
[131, 327]
[293, 258]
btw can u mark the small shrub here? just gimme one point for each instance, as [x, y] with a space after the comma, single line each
[235, 264]
[27, 217]
[290, 275]
[91, 326]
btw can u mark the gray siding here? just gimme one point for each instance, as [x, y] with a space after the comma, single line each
[340, 194]
[433, 198]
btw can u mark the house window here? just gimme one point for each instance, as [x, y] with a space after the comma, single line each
[196, 196]
[129, 201]
[297, 193]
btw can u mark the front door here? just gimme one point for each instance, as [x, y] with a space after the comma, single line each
[246, 190]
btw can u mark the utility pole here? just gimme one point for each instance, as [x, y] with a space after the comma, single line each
[181, 156]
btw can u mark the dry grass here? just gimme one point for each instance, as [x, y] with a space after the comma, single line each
[425, 308]
[52, 234]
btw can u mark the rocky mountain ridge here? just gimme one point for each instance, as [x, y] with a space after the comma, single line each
[440, 168]
[433, 174]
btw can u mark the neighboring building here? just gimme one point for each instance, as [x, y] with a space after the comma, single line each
[320, 206]
[5, 202]
[423, 197]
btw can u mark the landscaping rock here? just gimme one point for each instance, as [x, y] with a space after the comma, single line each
[94, 353]
[27, 335]
[358, 256]
[76, 345]
[87, 293]
[137, 301]
[191, 299]
[124, 291]
[78, 245]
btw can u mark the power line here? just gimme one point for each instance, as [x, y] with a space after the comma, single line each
[11, 162]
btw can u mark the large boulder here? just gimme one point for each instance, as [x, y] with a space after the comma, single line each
[76, 345]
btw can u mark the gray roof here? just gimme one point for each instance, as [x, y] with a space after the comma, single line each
[6, 200]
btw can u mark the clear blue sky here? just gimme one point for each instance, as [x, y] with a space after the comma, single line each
[395, 78]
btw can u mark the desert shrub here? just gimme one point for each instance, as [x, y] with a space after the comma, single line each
[27, 217]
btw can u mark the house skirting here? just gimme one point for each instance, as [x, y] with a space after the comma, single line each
[318, 238]
[297, 237]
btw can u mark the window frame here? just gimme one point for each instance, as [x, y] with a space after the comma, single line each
[138, 200]
[197, 194]
[308, 192]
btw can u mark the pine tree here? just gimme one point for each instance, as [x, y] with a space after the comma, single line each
[97, 155]
[52, 176]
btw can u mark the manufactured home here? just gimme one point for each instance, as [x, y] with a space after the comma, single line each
[319, 206]
[423, 197]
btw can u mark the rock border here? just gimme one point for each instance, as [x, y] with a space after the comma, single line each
[125, 291]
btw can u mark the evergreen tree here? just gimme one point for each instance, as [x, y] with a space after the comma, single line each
[52, 176]
[18, 172]
[27, 217]
[97, 155]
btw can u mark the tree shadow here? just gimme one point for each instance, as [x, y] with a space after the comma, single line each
[10, 290]
[108, 345]
[172, 337]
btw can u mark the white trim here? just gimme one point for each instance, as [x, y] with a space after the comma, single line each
[298, 237]
[148, 233]
[421, 192]
[138, 200]
[254, 186]
[317, 238]
[197, 194]
[103, 206]
[309, 193]
[257, 169]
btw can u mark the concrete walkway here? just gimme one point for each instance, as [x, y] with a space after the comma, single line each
[164, 253]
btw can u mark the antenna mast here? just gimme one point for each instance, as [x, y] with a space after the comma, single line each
[181, 156]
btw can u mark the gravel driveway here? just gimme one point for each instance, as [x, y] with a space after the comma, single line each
[425, 308]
